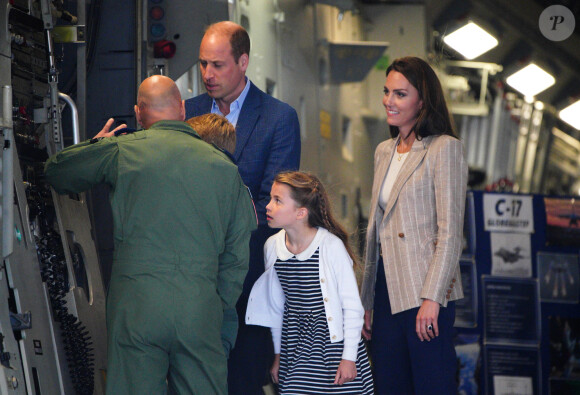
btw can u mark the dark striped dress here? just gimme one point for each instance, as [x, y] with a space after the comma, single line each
[308, 360]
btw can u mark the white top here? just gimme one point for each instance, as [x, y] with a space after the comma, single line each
[338, 284]
[394, 168]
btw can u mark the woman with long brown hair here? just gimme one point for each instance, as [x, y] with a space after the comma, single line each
[414, 237]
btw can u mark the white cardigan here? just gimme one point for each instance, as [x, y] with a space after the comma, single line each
[342, 305]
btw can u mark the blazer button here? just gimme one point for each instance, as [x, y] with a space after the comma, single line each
[326, 299]
[448, 296]
[401, 235]
[329, 319]
[451, 285]
[453, 280]
[448, 291]
[334, 337]
[321, 280]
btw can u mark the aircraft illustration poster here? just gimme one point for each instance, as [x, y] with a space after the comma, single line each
[508, 213]
[559, 277]
[511, 254]
[562, 221]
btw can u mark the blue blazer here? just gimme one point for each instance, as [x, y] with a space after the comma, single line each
[267, 141]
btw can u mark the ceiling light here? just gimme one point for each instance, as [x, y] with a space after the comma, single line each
[531, 80]
[470, 41]
[571, 115]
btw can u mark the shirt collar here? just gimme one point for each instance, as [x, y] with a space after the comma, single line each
[237, 104]
[284, 254]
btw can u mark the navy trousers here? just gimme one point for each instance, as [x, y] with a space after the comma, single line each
[403, 364]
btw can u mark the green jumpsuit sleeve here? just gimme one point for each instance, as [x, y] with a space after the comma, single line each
[233, 263]
[81, 166]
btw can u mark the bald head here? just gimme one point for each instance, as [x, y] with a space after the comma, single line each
[158, 99]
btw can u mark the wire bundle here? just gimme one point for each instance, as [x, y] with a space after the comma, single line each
[75, 336]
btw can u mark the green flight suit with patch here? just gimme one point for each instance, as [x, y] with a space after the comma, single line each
[182, 224]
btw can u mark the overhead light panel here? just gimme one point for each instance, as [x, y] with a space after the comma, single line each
[470, 41]
[571, 115]
[531, 80]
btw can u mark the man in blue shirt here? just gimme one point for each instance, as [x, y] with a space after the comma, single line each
[268, 142]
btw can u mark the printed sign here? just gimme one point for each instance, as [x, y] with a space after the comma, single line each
[512, 370]
[511, 310]
[508, 213]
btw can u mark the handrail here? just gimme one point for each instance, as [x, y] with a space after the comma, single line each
[75, 116]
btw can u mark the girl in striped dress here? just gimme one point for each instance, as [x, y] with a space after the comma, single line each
[308, 294]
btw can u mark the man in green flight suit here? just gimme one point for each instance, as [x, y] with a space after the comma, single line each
[182, 224]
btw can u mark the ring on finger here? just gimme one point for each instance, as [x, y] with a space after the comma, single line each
[429, 327]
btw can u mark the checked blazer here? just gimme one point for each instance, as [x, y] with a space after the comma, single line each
[267, 141]
[421, 228]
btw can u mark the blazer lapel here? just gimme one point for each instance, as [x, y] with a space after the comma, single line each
[380, 173]
[193, 108]
[416, 155]
[249, 115]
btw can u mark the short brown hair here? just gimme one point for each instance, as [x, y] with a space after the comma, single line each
[239, 38]
[240, 42]
[215, 129]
